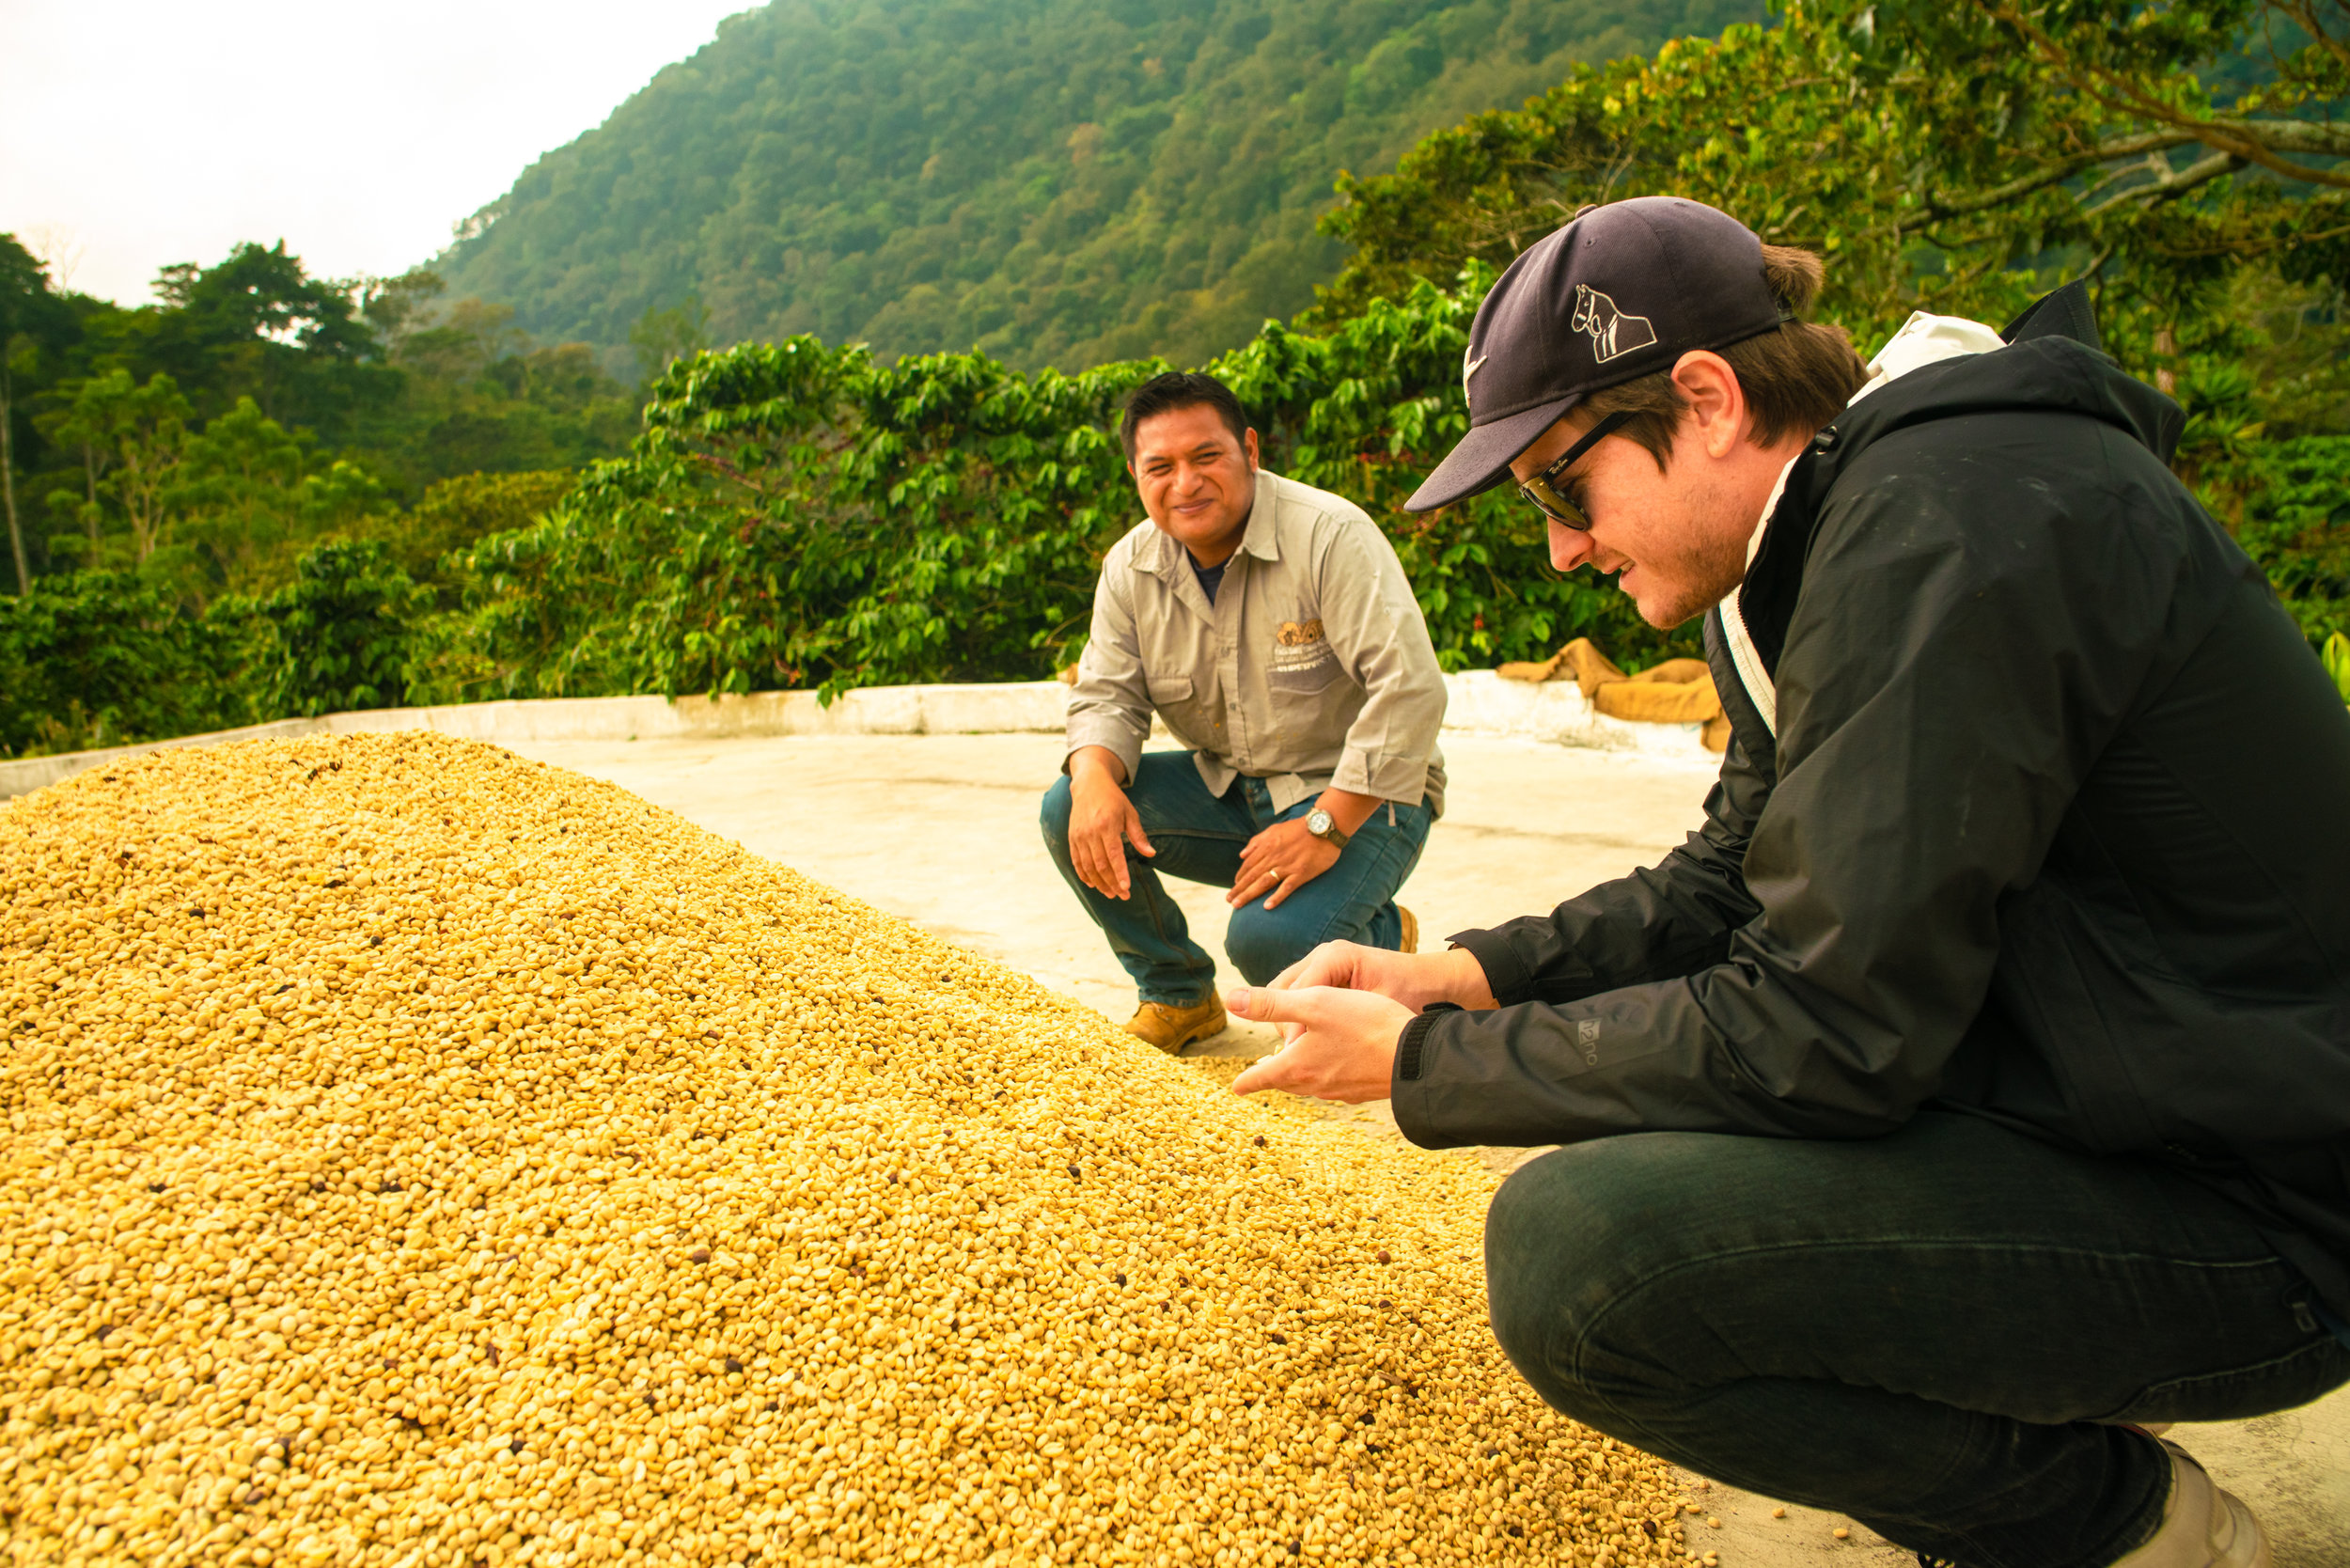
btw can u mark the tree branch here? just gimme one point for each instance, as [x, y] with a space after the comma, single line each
[2122, 95]
[2169, 185]
[2317, 138]
[710, 459]
[1940, 207]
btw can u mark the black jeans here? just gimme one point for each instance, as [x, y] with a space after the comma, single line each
[1932, 1332]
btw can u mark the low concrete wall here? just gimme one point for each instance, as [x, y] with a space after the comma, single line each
[1479, 703]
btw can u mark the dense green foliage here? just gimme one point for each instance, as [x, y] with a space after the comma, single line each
[206, 440]
[1961, 158]
[1935, 161]
[342, 632]
[100, 658]
[802, 515]
[202, 494]
[2292, 515]
[1055, 181]
[799, 513]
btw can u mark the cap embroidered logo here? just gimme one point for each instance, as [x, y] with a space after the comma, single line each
[1545, 337]
[1612, 331]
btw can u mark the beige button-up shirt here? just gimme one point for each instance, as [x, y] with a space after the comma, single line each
[1312, 667]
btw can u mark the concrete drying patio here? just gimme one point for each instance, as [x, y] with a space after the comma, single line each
[941, 828]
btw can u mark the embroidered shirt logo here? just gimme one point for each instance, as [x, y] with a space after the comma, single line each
[1301, 650]
[1586, 1035]
[1612, 331]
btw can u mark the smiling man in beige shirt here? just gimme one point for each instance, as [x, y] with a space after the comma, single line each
[1269, 624]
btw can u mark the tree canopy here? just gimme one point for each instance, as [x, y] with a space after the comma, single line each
[207, 439]
[1942, 156]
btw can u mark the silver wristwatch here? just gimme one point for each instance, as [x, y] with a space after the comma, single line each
[1324, 827]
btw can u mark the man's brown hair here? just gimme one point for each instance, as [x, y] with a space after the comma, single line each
[1796, 378]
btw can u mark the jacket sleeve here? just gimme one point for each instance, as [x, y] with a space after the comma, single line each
[1381, 640]
[1111, 704]
[1966, 643]
[1669, 920]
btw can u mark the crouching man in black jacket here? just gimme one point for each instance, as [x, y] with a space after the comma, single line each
[1973, 1090]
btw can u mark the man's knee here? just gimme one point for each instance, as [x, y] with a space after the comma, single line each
[1054, 817]
[1262, 942]
[1534, 1236]
[1571, 1240]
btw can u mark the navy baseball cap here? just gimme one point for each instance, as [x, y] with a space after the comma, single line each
[1620, 293]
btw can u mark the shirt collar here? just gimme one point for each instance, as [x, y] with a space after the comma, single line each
[1258, 540]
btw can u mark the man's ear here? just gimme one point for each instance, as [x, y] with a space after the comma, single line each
[1249, 445]
[1717, 404]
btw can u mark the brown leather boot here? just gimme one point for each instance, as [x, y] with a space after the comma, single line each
[1410, 944]
[1171, 1029]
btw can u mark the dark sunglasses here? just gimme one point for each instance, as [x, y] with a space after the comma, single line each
[1542, 489]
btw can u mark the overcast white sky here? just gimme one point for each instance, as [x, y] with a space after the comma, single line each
[135, 132]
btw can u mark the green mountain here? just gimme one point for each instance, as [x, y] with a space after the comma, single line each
[1055, 181]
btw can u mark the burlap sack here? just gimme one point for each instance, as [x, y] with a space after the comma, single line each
[1679, 691]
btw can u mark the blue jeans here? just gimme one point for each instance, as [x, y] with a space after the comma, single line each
[1934, 1332]
[1199, 837]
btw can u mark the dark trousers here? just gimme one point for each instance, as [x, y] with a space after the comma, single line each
[1199, 836]
[1933, 1332]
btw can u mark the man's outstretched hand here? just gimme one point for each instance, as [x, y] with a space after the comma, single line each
[1341, 1044]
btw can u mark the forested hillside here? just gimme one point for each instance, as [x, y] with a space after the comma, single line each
[1054, 181]
[253, 499]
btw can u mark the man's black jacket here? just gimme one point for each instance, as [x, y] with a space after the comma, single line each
[2055, 830]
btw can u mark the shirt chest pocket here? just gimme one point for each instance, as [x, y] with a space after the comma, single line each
[1302, 662]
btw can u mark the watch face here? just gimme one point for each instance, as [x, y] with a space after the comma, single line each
[1318, 822]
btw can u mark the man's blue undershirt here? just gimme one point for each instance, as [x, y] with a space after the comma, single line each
[1210, 576]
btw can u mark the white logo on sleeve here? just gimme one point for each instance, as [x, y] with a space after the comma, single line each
[1613, 332]
[1586, 1035]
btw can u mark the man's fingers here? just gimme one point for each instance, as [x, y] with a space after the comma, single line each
[1266, 1006]
[1264, 1073]
[1100, 866]
[1331, 964]
[1247, 887]
[1134, 831]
